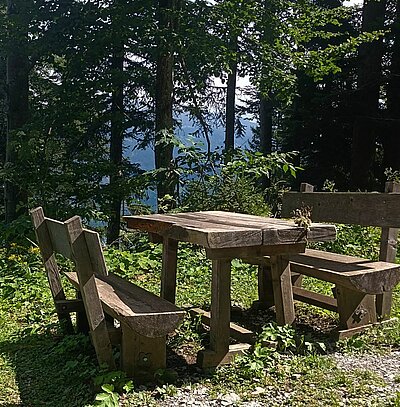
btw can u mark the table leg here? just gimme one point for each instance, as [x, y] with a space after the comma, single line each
[168, 272]
[265, 288]
[283, 293]
[220, 315]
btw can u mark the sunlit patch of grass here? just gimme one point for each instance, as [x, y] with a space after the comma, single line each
[8, 387]
[38, 365]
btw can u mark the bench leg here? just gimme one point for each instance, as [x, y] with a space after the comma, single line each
[57, 291]
[384, 305]
[142, 356]
[82, 324]
[355, 309]
[283, 292]
[265, 289]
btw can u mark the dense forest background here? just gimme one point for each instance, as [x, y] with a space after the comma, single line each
[80, 80]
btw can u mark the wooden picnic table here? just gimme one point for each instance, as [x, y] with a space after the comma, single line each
[227, 235]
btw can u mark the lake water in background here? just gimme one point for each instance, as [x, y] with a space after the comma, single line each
[145, 157]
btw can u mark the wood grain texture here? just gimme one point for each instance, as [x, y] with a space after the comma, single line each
[316, 299]
[286, 231]
[217, 230]
[195, 231]
[210, 359]
[220, 306]
[265, 287]
[95, 251]
[316, 233]
[168, 271]
[52, 271]
[42, 233]
[137, 308]
[355, 308]
[75, 305]
[141, 356]
[387, 252]
[357, 208]
[59, 237]
[236, 332]
[85, 272]
[367, 276]
[388, 242]
[255, 251]
[346, 333]
[275, 231]
[282, 288]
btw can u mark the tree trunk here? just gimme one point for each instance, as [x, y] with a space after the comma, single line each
[116, 144]
[367, 98]
[265, 135]
[230, 105]
[230, 109]
[164, 98]
[18, 103]
[3, 116]
[266, 109]
[3, 108]
[391, 137]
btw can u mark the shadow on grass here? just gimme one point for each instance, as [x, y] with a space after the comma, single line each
[51, 371]
[58, 371]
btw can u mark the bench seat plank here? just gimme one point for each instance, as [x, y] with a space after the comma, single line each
[142, 311]
[367, 276]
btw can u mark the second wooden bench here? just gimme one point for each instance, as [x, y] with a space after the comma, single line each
[363, 288]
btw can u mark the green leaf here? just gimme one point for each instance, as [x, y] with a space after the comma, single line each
[128, 387]
[102, 397]
[109, 388]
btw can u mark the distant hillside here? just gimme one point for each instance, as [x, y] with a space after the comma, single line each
[146, 157]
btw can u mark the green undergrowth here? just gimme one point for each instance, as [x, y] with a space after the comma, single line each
[193, 275]
[41, 366]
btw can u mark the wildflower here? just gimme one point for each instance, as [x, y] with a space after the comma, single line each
[34, 250]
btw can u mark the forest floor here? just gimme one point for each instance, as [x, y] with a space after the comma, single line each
[40, 366]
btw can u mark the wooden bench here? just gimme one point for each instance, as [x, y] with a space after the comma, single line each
[145, 319]
[363, 288]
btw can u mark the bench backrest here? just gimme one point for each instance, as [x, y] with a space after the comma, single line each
[356, 208]
[83, 247]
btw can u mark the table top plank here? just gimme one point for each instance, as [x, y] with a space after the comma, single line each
[217, 229]
[206, 234]
[271, 226]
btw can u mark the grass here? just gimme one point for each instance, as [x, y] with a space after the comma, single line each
[40, 366]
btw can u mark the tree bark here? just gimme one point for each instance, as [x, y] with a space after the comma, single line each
[116, 145]
[230, 109]
[266, 109]
[3, 111]
[230, 115]
[265, 135]
[3, 116]
[391, 137]
[164, 97]
[18, 103]
[367, 98]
